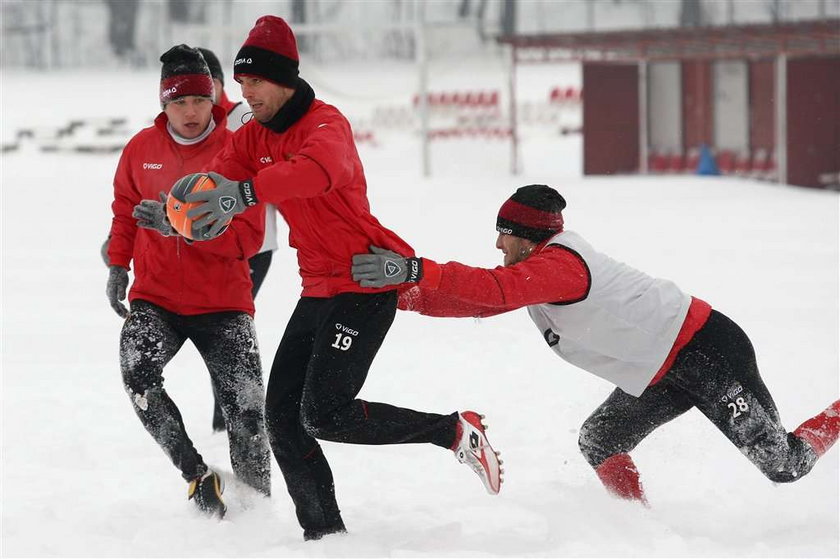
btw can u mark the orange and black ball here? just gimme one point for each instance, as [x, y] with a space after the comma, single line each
[177, 206]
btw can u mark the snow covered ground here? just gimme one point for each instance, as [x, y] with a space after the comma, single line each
[81, 478]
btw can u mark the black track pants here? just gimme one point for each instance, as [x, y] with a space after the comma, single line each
[151, 336]
[717, 373]
[258, 264]
[320, 367]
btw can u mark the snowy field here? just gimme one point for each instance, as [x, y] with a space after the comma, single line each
[81, 478]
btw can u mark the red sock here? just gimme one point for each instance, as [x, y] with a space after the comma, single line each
[822, 430]
[619, 475]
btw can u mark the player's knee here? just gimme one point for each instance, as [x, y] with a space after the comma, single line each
[245, 423]
[784, 461]
[781, 476]
[319, 426]
[321, 422]
[791, 471]
[145, 399]
[137, 380]
[132, 382]
[591, 445]
[326, 421]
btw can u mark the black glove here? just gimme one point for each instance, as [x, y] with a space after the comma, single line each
[117, 284]
[384, 267]
[103, 251]
[226, 200]
[151, 214]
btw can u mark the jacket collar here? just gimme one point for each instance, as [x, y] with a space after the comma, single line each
[293, 110]
[544, 244]
[219, 117]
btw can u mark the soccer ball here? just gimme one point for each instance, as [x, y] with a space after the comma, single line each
[177, 206]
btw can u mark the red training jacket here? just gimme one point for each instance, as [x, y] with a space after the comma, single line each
[188, 279]
[550, 275]
[313, 174]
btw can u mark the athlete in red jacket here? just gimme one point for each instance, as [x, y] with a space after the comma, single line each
[666, 351]
[198, 291]
[298, 153]
[237, 115]
[260, 262]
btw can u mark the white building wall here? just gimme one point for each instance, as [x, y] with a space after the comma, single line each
[731, 105]
[665, 107]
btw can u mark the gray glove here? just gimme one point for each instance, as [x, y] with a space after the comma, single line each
[151, 214]
[385, 267]
[117, 284]
[103, 251]
[221, 203]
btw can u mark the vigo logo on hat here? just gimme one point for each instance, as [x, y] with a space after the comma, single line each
[391, 268]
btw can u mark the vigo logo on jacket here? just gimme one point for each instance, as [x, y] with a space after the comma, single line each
[154, 166]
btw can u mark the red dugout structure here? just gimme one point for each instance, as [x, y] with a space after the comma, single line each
[765, 98]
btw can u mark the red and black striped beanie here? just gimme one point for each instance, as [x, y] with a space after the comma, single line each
[534, 212]
[184, 72]
[270, 52]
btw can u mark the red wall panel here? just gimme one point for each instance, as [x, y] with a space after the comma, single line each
[762, 105]
[813, 119]
[610, 118]
[697, 103]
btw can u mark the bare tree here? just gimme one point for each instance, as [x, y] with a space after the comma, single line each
[775, 8]
[691, 13]
[299, 16]
[508, 27]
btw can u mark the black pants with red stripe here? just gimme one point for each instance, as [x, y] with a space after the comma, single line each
[717, 373]
[320, 366]
[227, 342]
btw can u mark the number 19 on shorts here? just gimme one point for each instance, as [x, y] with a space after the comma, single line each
[342, 342]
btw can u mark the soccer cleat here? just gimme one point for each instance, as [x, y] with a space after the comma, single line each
[472, 448]
[206, 491]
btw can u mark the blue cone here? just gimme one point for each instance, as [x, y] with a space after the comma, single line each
[707, 164]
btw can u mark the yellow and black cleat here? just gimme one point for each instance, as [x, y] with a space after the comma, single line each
[206, 491]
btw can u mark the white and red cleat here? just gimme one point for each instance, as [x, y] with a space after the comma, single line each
[472, 448]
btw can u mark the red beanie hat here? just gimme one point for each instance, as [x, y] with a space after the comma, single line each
[269, 52]
[534, 212]
[184, 72]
